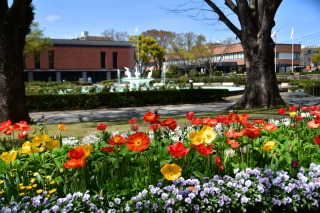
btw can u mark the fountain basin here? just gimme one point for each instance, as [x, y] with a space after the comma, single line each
[137, 82]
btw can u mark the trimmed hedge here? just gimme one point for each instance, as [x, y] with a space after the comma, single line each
[123, 99]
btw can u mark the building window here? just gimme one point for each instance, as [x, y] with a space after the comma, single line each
[37, 60]
[115, 60]
[51, 59]
[103, 60]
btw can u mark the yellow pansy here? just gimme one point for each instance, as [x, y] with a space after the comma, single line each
[9, 157]
[269, 145]
[171, 171]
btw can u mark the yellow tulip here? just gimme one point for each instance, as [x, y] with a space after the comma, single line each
[208, 134]
[269, 145]
[39, 191]
[9, 157]
[171, 171]
[26, 148]
[196, 138]
[292, 114]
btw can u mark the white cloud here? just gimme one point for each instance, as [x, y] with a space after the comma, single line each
[52, 18]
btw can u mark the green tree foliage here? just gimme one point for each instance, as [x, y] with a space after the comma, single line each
[162, 37]
[316, 58]
[36, 41]
[147, 51]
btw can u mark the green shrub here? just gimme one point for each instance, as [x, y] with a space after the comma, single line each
[122, 99]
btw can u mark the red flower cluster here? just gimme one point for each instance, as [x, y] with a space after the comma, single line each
[218, 163]
[204, 150]
[134, 125]
[76, 161]
[170, 122]
[7, 128]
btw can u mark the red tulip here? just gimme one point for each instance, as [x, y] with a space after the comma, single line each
[101, 127]
[317, 140]
[204, 150]
[178, 150]
[293, 108]
[190, 115]
[281, 111]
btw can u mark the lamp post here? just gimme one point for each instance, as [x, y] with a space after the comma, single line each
[191, 83]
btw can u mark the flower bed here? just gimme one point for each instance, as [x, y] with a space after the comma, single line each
[227, 163]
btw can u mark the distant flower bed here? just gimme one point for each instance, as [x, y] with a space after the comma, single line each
[227, 163]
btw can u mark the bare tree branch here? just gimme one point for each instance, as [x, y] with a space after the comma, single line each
[224, 18]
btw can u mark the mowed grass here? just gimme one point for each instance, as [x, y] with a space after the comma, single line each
[80, 130]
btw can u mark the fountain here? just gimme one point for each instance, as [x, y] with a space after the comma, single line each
[136, 81]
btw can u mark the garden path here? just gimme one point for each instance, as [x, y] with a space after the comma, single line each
[110, 114]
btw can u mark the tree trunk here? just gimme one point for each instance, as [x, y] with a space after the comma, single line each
[14, 26]
[256, 18]
[261, 89]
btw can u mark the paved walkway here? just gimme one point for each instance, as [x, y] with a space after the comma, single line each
[109, 114]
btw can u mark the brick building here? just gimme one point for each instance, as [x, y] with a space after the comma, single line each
[230, 58]
[74, 60]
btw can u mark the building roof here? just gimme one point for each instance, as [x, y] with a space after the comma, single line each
[93, 43]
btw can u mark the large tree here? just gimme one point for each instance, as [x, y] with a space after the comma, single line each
[256, 20]
[147, 50]
[182, 46]
[14, 26]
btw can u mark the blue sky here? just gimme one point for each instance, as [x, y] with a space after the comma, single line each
[68, 18]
